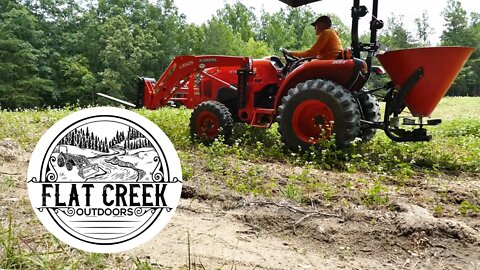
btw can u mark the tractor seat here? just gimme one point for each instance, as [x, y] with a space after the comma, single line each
[345, 54]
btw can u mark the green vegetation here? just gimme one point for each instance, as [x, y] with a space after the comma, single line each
[59, 52]
[46, 252]
[466, 207]
[458, 134]
[377, 194]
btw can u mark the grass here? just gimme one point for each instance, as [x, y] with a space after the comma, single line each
[455, 149]
[454, 108]
[7, 183]
[23, 250]
[467, 207]
[459, 134]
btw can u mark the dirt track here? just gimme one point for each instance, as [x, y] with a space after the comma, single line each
[219, 228]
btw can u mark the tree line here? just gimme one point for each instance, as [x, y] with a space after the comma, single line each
[86, 140]
[60, 52]
[135, 140]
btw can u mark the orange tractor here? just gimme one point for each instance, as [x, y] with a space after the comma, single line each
[310, 99]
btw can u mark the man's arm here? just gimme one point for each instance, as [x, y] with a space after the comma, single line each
[316, 48]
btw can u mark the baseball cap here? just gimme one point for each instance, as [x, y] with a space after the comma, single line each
[323, 19]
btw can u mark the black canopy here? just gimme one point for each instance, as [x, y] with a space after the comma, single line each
[297, 3]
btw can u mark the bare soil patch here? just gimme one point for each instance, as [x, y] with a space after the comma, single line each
[282, 235]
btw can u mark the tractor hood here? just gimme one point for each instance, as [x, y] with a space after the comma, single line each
[297, 3]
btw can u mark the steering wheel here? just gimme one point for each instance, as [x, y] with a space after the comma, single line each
[288, 57]
[292, 62]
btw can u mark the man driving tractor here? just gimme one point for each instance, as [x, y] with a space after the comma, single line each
[328, 44]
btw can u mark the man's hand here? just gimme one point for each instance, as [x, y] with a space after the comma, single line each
[285, 51]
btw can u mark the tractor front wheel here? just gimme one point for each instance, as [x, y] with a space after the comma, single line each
[315, 110]
[61, 160]
[210, 120]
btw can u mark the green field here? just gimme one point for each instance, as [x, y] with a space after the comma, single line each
[458, 134]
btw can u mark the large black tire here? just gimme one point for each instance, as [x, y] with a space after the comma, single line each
[209, 121]
[370, 112]
[308, 106]
[69, 165]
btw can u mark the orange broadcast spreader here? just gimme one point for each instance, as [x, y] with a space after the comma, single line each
[440, 66]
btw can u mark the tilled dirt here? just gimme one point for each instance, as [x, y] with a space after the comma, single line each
[220, 228]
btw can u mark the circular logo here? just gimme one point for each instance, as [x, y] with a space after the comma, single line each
[104, 180]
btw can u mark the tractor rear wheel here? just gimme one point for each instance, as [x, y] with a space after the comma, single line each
[370, 112]
[69, 165]
[210, 120]
[315, 110]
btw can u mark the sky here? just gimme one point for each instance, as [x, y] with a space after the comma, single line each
[105, 129]
[198, 11]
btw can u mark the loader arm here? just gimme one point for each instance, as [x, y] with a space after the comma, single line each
[179, 78]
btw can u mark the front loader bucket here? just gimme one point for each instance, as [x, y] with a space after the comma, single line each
[438, 66]
[89, 171]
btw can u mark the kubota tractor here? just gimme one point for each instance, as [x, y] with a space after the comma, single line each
[310, 99]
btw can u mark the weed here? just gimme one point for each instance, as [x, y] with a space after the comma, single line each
[292, 192]
[438, 210]
[13, 257]
[455, 147]
[141, 265]
[187, 169]
[7, 183]
[458, 133]
[467, 207]
[377, 195]
[305, 176]
[328, 191]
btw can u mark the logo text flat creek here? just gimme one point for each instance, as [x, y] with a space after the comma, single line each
[104, 177]
[125, 196]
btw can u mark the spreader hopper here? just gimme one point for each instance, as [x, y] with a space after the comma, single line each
[424, 75]
[420, 78]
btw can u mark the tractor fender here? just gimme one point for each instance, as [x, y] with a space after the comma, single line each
[340, 71]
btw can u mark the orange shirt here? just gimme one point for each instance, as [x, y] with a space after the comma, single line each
[328, 46]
